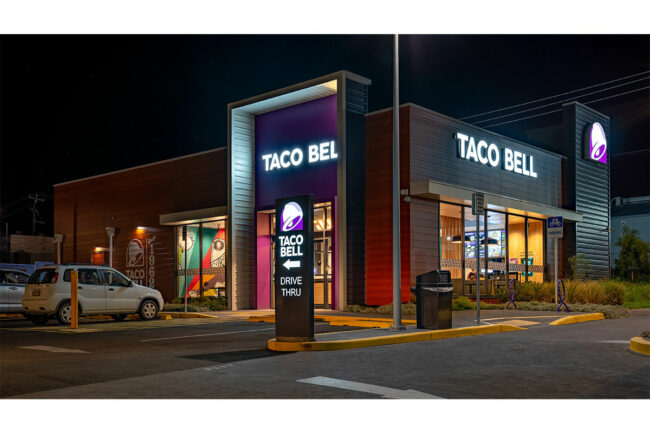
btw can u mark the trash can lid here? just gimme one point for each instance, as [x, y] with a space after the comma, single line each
[439, 289]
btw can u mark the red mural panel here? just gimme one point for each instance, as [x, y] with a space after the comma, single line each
[379, 221]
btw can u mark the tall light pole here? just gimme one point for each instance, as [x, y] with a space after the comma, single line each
[397, 276]
[110, 231]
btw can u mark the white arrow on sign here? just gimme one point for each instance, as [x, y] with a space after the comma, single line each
[291, 264]
[364, 387]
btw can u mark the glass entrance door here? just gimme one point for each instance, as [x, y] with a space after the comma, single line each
[323, 256]
[322, 266]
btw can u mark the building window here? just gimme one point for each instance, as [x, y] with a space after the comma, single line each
[494, 247]
[517, 247]
[535, 271]
[452, 242]
[202, 259]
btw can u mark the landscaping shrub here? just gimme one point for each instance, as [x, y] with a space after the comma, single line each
[530, 291]
[408, 309]
[605, 292]
[198, 304]
[462, 303]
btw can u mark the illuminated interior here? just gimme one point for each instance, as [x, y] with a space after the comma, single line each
[502, 249]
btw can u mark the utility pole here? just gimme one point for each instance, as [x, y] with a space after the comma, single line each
[397, 276]
[35, 197]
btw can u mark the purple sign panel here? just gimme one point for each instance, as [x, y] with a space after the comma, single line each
[596, 143]
[296, 153]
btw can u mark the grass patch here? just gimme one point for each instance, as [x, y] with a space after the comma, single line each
[638, 296]
[197, 304]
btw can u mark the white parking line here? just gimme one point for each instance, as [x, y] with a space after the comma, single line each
[615, 341]
[364, 387]
[208, 335]
[53, 349]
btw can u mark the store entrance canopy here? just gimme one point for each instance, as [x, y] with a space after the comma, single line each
[194, 216]
[458, 195]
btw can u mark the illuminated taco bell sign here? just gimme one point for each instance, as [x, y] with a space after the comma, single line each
[596, 143]
[491, 155]
[291, 217]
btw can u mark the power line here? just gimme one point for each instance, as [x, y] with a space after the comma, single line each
[559, 109]
[555, 96]
[524, 118]
[573, 98]
[619, 94]
[632, 151]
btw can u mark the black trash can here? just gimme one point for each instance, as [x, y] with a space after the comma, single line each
[433, 293]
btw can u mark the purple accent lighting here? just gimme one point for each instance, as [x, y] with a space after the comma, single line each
[297, 126]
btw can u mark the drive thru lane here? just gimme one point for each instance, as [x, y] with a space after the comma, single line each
[572, 361]
[87, 358]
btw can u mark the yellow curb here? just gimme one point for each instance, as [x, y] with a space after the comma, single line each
[283, 346]
[578, 318]
[360, 322]
[183, 315]
[640, 345]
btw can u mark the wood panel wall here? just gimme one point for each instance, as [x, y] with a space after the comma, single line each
[379, 239]
[451, 227]
[517, 244]
[516, 240]
[135, 198]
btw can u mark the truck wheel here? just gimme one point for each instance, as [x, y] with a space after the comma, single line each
[64, 313]
[148, 310]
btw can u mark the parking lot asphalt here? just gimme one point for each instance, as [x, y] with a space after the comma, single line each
[229, 360]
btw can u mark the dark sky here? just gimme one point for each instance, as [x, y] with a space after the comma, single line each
[76, 106]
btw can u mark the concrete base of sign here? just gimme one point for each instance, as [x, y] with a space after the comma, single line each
[295, 340]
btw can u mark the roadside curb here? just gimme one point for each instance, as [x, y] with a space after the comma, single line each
[285, 346]
[359, 322]
[183, 315]
[640, 345]
[578, 318]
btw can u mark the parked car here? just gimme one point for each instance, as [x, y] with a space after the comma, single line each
[101, 290]
[12, 287]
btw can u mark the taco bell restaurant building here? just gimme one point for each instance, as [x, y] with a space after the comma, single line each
[203, 224]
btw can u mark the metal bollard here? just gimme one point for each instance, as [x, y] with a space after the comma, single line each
[512, 292]
[74, 300]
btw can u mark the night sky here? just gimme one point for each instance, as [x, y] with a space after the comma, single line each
[77, 106]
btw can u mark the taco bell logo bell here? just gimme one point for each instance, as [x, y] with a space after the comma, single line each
[291, 217]
[597, 143]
